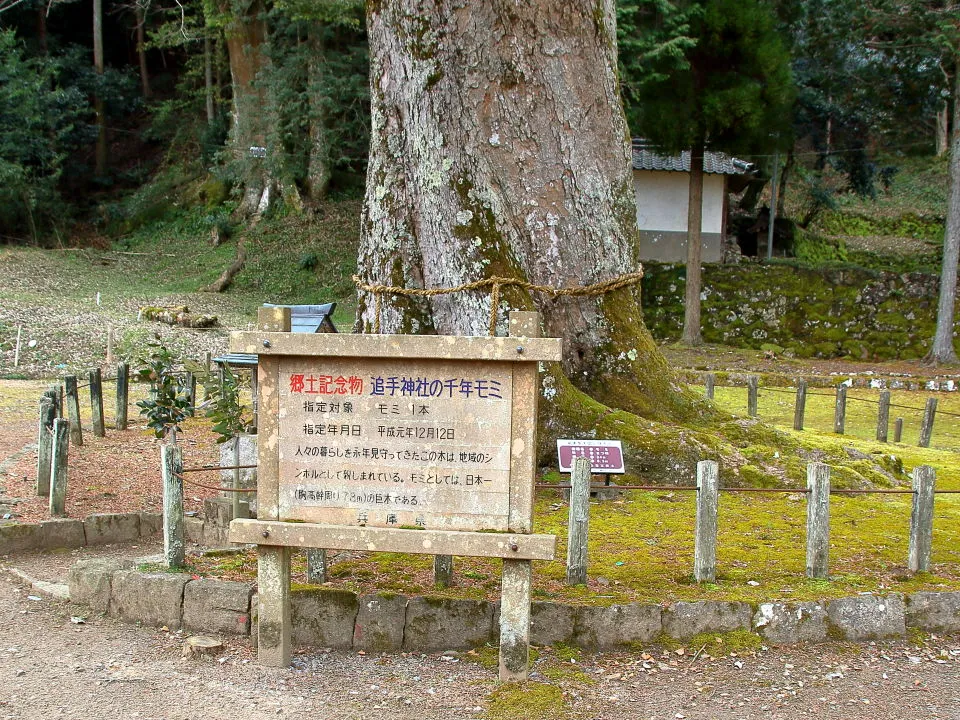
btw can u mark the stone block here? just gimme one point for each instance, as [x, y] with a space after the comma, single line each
[16, 537]
[866, 617]
[606, 628]
[151, 524]
[685, 619]
[112, 528]
[934, 611]
[380, 621]
[192, 530]
[248, 456]
[152, 599]
[323, 617]
[783, 624]
[61, 533]
[443, 624]
[550, 623]
[217, 514]
[90, 581]
[217, 606]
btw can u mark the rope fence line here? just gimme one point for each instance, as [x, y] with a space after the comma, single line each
[214, 487]
[494, 284]
[854, 398]
[789, 491]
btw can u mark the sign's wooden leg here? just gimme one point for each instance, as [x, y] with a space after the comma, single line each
[515, 620]
[273, 583]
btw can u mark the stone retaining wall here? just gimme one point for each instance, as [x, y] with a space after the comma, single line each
[111, 528]
[325, 617]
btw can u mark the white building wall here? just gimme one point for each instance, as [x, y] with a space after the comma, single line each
[662, 201]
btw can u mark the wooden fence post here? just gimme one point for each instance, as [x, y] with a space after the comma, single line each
[578, 523]
[926, 426]
[123, 395]
[801, 405]
[191, 387]
[45, 443]
[171, 459]
[840, 412]
[921, 519]
[753, 391]
[897, 430]
[58, 467]
[883, 416]
[96, 403]
[317, 565]
[818, 520]
[72, 401]
[443, 570]
[709, 383]
[705, 532]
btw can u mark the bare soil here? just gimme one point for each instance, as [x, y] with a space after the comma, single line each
[58, 662]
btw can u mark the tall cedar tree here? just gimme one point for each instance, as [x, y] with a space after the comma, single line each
[715, 76]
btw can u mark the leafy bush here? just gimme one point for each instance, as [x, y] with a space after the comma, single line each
[169, 403]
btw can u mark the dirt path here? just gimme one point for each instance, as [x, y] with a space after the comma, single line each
[52, 667]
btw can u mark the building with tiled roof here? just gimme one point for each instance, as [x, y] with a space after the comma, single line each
[661, 186]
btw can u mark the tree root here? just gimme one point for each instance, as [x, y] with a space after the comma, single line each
[226, 277]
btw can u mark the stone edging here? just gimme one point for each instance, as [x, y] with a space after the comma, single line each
[340, 619]
[112, 528]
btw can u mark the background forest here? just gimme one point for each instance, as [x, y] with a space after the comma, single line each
[114, 115]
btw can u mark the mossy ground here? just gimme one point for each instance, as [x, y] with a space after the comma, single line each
[641, 545]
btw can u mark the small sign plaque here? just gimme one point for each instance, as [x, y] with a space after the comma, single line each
[606, 456]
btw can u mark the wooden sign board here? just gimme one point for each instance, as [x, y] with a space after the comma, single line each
[605, 456]
[396, 443]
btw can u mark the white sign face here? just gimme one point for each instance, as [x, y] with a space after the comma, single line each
[395, 442]
[605, 456]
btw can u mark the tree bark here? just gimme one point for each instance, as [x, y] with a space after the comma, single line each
[492, 155]
[318, 171]
[246, 35]
[100, 167]
[142, 52]
[691, 309]
[208, 80]
[943, 350]
[943, 127]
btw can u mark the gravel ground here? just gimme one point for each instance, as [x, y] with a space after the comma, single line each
[53, 667]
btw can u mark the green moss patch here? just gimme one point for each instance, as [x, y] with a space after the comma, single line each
[531, 701]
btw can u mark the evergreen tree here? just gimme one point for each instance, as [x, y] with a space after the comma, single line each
[717, 76]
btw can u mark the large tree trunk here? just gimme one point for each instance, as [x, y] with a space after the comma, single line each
[245, 38]
[318, 170]
[943, 130]
[208, 80]
[499, 148]
[942, 350]
[100, 167]
[141, 15]
[691, 308]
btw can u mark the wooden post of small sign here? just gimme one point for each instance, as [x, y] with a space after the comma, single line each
[71, 398]
[753, 392]
[174, 550]
[883, 416]
[818, 520]
[921, 519]
[578, 523]
[273, 564]
[58, 467]
[709, 385]
[840, 412]
[926, 425]
[705, 533]
[801, 405]
[898, 430]
[96, 403]
[48, 414]
[518, 574]
[123, 395]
